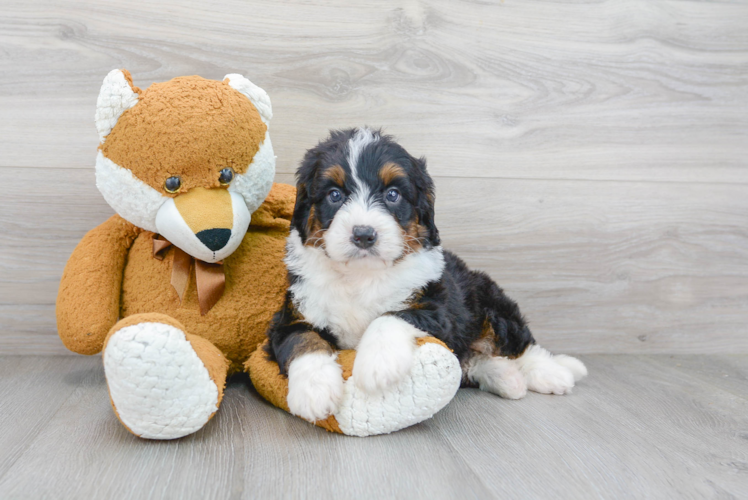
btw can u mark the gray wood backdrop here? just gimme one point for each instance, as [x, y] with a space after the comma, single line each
[590, 155]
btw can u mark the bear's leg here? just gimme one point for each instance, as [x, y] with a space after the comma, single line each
[431, 383]
[163, 382]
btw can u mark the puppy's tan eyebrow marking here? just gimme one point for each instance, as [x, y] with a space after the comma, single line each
[390, 171]
[336, 174]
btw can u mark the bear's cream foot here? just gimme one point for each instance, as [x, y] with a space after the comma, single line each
[549, 374]
[315, 386]
[163, 383]
[431, 382]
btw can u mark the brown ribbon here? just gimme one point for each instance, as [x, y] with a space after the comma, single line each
[209, 278]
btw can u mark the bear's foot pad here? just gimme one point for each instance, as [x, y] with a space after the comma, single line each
[159, 387]
[432, 383]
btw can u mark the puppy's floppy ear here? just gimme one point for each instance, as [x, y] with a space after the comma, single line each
[304, 184]
[425, 201]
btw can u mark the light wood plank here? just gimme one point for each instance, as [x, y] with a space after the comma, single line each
[249, 450]
[629, 120]
[634, 429]
[39, 383]
[729, 372]
[632, 90]
[637, 427]
[596, 266]
[610, 267]
[412, 463]
[29, 330]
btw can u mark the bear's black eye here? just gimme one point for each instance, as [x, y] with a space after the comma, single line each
[335, 195]
[226, 176]
[173, 184]
[392, 195]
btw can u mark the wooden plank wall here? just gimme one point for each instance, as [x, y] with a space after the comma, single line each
[591, 155]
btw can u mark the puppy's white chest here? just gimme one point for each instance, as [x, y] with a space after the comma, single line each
[347, 308]
[346, 297]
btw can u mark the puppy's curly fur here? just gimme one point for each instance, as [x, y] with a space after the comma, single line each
[367, 272]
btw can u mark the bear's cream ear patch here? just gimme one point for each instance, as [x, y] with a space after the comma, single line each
[115, 97]
[259, 97]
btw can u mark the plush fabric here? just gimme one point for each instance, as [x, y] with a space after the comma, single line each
[165, 357]
[155, 369]
[88, 301]
[222, 129]
[255, 283]
[433, 382]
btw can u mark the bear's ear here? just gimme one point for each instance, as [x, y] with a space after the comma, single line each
[116, 96]
[259, 97]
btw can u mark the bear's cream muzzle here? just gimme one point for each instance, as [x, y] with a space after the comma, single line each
[208, 224]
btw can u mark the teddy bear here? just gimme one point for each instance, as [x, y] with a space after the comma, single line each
[178, 287]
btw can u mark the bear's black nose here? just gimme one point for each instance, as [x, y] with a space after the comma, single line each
[215, 239]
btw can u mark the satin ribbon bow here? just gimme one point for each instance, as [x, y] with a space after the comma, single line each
[209, 278]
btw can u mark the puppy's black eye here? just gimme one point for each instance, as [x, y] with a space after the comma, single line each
[226, 176]
[335, 195]
[173, 184]
[392, 195]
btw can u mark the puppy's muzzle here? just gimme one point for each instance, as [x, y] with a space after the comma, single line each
[364, 236]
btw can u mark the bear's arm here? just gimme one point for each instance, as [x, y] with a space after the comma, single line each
[277, 209]
[88, 302]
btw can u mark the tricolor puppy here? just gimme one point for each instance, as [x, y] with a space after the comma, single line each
[367, 272]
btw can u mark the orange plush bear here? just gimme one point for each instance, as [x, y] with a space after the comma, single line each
[178, 288]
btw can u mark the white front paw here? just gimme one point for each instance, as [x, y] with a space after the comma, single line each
[315, 386]
[377, 369]
[385, 355]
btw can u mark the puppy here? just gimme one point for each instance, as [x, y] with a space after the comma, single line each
[366, 271]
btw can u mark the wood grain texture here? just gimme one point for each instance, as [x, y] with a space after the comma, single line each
[637, 428]
[590, 155]
[654, 267]
[43, 384]
[729, 373]
[637, 89]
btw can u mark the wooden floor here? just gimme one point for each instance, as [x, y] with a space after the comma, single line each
[592, 156]
[638, 427]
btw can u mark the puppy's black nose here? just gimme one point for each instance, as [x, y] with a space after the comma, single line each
[364, 236]
[215, 239]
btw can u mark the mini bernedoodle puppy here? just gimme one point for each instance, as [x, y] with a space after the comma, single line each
[366, 271]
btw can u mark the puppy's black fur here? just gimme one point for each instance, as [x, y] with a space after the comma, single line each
[312, 186]
[465, 309]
